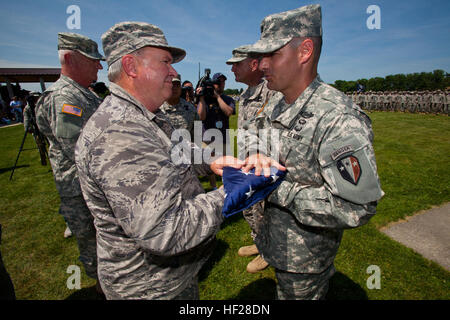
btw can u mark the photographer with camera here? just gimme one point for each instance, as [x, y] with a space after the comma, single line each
[187, 91]
[214, 109]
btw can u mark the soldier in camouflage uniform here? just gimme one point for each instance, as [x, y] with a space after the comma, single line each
[61, 112]
[181, 113]
[325, 143]
[428, 101]
[251, 102]
[155, 225]
[388, 101]
[361, 100]
[377, 101]
[408, 101]
[440, 102]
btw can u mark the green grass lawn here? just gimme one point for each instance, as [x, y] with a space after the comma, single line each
[412, 153]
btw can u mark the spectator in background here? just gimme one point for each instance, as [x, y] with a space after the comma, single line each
[16, 108]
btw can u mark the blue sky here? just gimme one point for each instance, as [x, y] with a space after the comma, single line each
[414, 35]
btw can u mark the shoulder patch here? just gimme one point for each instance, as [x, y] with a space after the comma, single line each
[76, 111]
[350, 169]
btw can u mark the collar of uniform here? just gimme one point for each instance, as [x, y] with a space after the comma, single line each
[251, 93]
[118, 91]
[88, 93]
[290, 112]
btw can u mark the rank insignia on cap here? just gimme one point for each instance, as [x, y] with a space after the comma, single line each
[67, 108]
[350, 169]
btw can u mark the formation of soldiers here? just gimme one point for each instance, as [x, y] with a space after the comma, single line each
[436, 102]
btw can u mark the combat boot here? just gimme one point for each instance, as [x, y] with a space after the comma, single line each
[248, 251]
[257, 264]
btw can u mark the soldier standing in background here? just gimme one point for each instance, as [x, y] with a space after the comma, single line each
[325, 143]
[447, 102]
[180, 112]
[378, 101]
[251, 102]
[61, 112]
[408, 101]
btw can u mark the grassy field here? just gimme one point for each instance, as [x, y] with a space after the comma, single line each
[412, 153]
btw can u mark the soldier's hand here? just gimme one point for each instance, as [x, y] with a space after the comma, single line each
[225, 161]
[261, 163]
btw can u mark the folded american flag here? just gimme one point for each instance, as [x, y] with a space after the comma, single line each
[242, 190]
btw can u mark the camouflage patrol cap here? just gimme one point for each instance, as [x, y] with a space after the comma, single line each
[126, 37]
[280, 28]
[176, 78]
[239, 54]
[77, 42]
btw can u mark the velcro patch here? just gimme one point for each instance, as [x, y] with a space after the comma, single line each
[76, 111]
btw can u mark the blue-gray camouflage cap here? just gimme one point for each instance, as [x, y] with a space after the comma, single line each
[239, 54]
[126, 37]
[80, 43]
[280, 28]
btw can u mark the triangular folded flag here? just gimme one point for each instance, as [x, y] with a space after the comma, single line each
[242, 190]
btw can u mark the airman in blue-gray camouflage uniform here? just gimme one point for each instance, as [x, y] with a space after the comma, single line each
[155, 225]
[325, 143]
[61, 112]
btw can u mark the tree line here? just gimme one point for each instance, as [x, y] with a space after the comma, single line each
[438, 79]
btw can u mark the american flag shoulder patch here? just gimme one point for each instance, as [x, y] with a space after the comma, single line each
[76, 111]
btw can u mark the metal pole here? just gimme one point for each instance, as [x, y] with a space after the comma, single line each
[41, 80]
[20, 150]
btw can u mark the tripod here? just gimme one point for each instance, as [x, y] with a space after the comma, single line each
[40, 143]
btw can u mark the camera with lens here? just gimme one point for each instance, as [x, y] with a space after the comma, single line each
[206, 84]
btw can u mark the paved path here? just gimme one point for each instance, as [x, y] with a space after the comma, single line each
[427, 233]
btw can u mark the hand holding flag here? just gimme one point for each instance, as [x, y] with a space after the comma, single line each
[225, 161]
[244, 189]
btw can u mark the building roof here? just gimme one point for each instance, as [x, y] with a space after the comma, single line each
[29, 74]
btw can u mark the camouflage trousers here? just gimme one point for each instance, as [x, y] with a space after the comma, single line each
[254, 216]
[303, 286]
[81, 223]
[190, 293]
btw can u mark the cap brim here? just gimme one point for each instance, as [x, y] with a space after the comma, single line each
[268, 45]
[96, 56]
[177, 53]
[235, 60]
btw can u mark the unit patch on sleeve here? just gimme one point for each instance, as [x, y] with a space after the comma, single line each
[350, 169]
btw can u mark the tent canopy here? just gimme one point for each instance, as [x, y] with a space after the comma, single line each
[19, 75]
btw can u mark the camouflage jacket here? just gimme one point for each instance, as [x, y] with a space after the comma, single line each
[155, 224]
[325, 142]
[61, 112]
[181, 115]
[252, 101]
